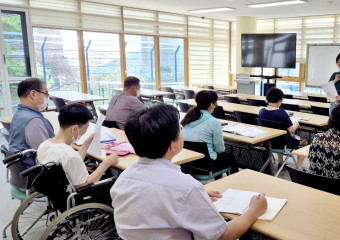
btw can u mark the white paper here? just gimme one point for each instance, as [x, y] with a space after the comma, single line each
[94, 147]
[244, 130]
[237, 202]
[295, 119]
[330, 90]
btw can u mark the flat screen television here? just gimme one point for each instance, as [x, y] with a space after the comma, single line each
[269, 50]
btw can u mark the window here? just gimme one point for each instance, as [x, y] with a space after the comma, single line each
[102, 59]
[140, 59]
[57, 59]
[171, 61]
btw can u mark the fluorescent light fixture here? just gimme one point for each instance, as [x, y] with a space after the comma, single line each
[220, 9]
[273, 4]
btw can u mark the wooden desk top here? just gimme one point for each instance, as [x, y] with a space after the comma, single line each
[217, 86]
[301, 103]
[302, 151]
[314, 119]
[272, 133]
[74, 97]
[149, 92]
[193, 88]
[124, 162]
[304, 95]
[308, 214]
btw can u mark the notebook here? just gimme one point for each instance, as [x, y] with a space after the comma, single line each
[247, 131]
[104, 137]
[237, 202]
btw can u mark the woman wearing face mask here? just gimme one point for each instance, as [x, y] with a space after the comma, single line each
[336, 80]
[74, 120]
[200, 126]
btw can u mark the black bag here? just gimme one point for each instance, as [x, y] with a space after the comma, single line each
[292, 142]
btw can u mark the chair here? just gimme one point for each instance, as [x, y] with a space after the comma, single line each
[248, 118]
[219, 113]
[5, 153]
[5, 124]
[58, 102]
[290, 107]
[169, 98]
[183, 107]
[5, 133]
[317, 99]
[255, 102]
[188, 94]
[320, 110]
[288, 96]
[322, 183]
[208, 87]
[278, 143]
[232, 99]
[102, 110]
[110, 124]
[201, 169]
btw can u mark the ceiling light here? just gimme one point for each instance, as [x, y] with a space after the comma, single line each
[273, 4]
[220, 9]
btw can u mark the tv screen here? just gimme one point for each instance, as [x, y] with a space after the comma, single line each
[269, 50]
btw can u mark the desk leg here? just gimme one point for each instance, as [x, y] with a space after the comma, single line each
[270, 159]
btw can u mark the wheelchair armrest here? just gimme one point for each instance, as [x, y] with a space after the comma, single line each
[32, 170]
[96, 185]
[195, 168]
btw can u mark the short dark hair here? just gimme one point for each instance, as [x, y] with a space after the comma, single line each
[274, 95]
[131, 81]
[337, 58]
[25, 86]
[203, 99]
[334, 118]
[151, 130]
[74, 114]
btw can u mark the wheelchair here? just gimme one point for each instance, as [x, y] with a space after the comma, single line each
[58, 211]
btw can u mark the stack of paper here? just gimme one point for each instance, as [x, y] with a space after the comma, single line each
[295, 119]
[330, 90]
[237, 202]
[244, 130]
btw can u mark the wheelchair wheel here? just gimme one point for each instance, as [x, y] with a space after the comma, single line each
[32, 217]
[86, 221]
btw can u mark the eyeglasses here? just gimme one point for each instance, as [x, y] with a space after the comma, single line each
[46, 93]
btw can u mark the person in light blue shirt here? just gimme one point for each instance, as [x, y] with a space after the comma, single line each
[200, 126]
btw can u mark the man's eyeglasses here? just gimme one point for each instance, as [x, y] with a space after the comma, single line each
[46, 93]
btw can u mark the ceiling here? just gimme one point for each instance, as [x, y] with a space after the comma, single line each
[312, 7]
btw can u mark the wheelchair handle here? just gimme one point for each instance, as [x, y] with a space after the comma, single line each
[31, 170]
[17, 155]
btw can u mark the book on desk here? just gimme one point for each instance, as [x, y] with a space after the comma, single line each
[247, 131]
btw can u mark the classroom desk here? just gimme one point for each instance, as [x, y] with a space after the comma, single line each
[219, 87]
[302, 151]
[309, 214]
[301, 103]
[314, 119]
[179, 88]
[148, 93]
[125, 161]
[304, 95]
[78, 97]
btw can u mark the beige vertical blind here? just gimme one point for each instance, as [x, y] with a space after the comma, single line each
[208, 50]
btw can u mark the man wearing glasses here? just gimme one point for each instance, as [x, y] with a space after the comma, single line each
[29, 127]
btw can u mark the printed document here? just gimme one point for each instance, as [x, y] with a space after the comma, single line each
[247, 131]
[330, 90]
[237, 202]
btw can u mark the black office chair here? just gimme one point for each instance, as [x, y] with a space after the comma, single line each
[183, 107]
[169, 98]
[201, 169]
[317, 99]
[322, 183]
[288, 96]
[110, 124]
[243, 117]
[102, 110]
[290, 107]
[5, 124]
[219, 113]
[257, 103]
[279, 144]
[188, 94]
[232, 99]
[58, 102]
[208, 87]
[320, 110]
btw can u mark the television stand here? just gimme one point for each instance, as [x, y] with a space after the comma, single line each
[263, 93]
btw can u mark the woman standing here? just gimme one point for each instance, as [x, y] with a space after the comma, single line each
[336, 80]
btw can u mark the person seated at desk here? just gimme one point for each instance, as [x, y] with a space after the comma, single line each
[153, 199]
[74, 120]
[200, 126]
[324, 151]
[336, 80]
[274, 113]
[123, 103]
[29, 128]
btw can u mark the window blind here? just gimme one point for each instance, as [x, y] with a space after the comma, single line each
[221, 52]
[172, 25]
[19, 3]
[140, 21]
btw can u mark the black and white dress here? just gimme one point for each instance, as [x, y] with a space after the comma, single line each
[324, 154]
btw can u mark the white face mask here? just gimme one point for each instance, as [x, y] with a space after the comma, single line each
[138, 93]
[43, 106]
[74, 140]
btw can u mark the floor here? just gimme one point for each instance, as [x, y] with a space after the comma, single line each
[9, 206]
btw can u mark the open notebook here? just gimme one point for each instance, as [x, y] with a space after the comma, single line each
[237, 202]
[247, 131]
